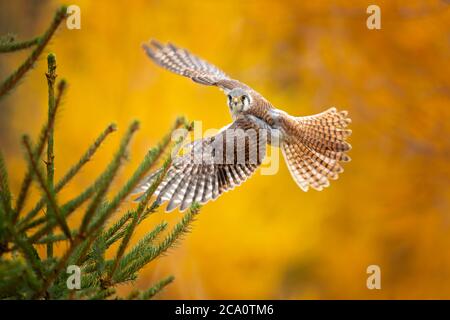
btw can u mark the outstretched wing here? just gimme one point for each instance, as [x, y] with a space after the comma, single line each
[213, 165]
[182, 62]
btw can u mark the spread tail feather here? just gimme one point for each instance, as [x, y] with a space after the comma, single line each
[315, 147]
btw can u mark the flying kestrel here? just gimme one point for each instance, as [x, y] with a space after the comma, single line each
[313, 146]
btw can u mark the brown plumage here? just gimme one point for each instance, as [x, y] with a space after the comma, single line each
[314, 147]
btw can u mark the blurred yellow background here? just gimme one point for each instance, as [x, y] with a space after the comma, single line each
[266, 239]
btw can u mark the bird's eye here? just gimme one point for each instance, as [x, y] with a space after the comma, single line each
[229, 99]
[243, 98]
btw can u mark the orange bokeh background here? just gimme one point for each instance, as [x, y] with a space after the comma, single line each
[267, 239]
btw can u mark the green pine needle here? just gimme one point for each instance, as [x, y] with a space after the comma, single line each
[24, 274]
[85, 158]
[108, 177]
[49, 194]
[17, 75]
[153, 252]
[5, 193]
[158, 287]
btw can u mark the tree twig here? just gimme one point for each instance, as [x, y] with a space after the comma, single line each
[15, 46]
[49, 194]
[67, 177]
[37, 153]
[51, 78]
[15, 77]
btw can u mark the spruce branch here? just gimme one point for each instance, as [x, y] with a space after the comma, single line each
[16, 46]
[87, 236]
[14, 273]
[23, 273]
[149, 161]
[98, 250]
[53, 238]
[182, 227]
[29, 252]
[94, 241]
[158, 287]
[103, 294]
[137, 215]
[85, 158]
[45, 131]
[146, 242]
[5, 193]
[56, 270]
[53, 206]
[152, 209]
[116, 231]
[51, 78]
[74, 203]
[134, 294]
[66, 210]
[7, 39]
[70, 206]
[110, 174]
[18, 74]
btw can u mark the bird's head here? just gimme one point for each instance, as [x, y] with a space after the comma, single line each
[238, 100]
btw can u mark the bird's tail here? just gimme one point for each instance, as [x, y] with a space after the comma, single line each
[315, 146]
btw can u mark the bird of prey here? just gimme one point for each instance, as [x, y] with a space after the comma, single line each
[313, 146]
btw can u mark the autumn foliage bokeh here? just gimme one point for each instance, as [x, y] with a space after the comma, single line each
[267, 239]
